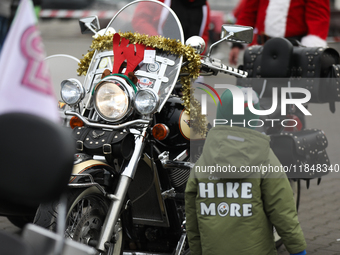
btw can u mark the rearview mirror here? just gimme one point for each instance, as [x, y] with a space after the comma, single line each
[241, 34]
[234, 33]
[89, 25]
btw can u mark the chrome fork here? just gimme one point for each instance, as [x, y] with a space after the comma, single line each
[117, 199]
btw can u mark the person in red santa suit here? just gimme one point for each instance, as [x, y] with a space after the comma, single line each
[194, 16]
[304, 20]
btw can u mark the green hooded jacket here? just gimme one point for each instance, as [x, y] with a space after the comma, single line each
[233, 212]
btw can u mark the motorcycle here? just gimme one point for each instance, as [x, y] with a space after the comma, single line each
[126, 191]
[281, 63]
[134, 135]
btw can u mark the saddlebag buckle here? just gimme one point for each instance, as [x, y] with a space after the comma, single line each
[107, 149]
[80, 145]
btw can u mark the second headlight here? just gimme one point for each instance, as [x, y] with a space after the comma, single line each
[72, 92]
[146, 101]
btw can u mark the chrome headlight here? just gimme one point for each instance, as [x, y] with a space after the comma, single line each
[146, 101]
[72, 91]
[113, 97]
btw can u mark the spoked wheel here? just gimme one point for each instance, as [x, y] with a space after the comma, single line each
[86, 212]
[295, 184]
[85, 219]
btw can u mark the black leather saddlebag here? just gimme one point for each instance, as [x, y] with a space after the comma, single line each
[332, 94]
[302, 153]
[311, 68]
[281, 64]
[114, 143]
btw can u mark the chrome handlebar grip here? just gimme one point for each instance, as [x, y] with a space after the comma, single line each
[216, 66]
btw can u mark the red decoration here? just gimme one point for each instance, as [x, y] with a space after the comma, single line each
[122, 51]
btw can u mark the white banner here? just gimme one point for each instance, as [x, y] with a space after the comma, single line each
[25, 83]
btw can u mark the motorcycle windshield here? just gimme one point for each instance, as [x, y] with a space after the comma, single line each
[159, 68]
[61, 67]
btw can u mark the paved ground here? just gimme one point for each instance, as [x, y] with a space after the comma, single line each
[7, 226]
[319, 216]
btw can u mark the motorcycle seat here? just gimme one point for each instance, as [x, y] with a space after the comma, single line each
[276, 58]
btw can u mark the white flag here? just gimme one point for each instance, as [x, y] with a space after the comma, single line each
[25, 82]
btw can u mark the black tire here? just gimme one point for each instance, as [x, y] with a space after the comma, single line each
[295, 184]
[86, 211]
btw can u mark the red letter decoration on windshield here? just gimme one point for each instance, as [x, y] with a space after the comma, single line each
[122, 51]
[118, 52]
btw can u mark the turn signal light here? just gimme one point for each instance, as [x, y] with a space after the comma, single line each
[160, 131]
[76, 122]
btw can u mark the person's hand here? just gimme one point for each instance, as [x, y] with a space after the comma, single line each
[233, 55]
[300, 253]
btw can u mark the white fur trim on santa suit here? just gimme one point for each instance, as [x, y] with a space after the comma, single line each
[276, 18]
[163, 17]
[204, 21]
[313, 41]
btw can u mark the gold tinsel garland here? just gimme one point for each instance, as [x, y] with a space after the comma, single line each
[192, 106]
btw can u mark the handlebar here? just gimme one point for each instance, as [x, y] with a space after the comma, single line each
[214, 65]
[114, 127]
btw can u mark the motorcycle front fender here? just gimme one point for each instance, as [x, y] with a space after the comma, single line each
[105, 178]
[92, 173]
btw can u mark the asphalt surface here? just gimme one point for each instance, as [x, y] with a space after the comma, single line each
[319, 205]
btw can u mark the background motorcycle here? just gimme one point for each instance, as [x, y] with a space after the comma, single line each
[127, 187]
[283, 63]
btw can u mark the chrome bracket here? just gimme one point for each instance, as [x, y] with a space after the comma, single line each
[87, 184]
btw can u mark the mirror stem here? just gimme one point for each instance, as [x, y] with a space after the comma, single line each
[223, 39]
[88, 25]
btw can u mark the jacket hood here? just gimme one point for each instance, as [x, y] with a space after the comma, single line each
[232, 148]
